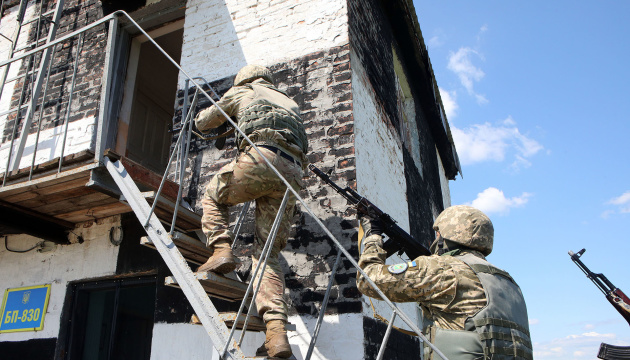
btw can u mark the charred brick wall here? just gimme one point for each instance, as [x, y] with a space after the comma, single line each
[373, 35]
[85, 102]
[400, 346]
[321, 85]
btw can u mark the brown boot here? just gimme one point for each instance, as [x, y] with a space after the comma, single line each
[276, 342]
[222, 261]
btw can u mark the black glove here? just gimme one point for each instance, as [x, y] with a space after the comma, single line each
[371, 226]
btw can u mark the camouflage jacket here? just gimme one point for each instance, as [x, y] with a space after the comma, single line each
[445, 287]
[239, 98]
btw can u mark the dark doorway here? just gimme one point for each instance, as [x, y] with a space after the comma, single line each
[112, 320]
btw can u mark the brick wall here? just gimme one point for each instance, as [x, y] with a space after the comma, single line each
[320, 83]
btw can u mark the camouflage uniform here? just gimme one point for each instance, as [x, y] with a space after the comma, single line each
[269, 118]
[456, 290]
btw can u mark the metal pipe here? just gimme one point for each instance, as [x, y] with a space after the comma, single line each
[15, 125]
[28, 118]
[270, 239]
[320, 319]
[16, 35]
[184, 158]
[63, 38]
[388, 332]
[168, 166]
[74, 73]
[41, 116]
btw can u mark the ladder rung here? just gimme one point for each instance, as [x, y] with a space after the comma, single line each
[187, 220]
[256, 323]
[14, 110]
[30, 72]
[31, 45]
[48, 13]
[216, 285]
[192, 250]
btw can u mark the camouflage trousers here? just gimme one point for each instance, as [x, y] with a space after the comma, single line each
[249, 178]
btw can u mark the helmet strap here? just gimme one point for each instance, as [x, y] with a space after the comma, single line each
[440, 245]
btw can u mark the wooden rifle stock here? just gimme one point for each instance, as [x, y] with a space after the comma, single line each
[614, 295]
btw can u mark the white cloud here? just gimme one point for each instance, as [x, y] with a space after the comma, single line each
[449, 100]
[534, 321]
[461, 64]
[435, 41]
[622, 202]
[482, 30]
[578, 346]
[493, 200]
[487, 142]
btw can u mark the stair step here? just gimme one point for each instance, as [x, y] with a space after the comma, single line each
[192, 250]
[216, 285]
[187, 219]
[256, 323]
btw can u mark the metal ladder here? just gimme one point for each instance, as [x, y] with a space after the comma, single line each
[163, 241]
[13, 160]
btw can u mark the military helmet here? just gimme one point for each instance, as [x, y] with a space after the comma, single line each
[250, 73]
[467, 226]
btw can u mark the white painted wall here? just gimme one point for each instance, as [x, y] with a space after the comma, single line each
[96, 257]
[221, 36]
[446, 191]
[380, 170]
[79, 138]
[340, 338]
[8, 27]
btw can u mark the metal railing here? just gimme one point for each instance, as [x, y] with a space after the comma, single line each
[36, 101]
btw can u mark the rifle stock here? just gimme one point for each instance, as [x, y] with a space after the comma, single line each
[399, 240]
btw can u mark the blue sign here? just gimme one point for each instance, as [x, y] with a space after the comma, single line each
[23, 309]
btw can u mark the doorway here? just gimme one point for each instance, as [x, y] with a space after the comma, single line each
[149, 98]
[112, 320]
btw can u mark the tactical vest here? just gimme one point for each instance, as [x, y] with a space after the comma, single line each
[272, 109]
[498, 331]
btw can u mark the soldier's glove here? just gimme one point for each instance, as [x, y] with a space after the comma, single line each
[367, 227]
[370, 225]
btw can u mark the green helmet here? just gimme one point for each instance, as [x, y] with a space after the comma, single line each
[467, 226]
[250, 73]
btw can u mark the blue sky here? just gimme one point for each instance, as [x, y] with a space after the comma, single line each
[537, 95]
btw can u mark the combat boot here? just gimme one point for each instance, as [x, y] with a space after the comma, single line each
[222, 260]
[276, 342]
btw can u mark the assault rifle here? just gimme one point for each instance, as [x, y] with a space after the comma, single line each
[399, 240]
[616, 297]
